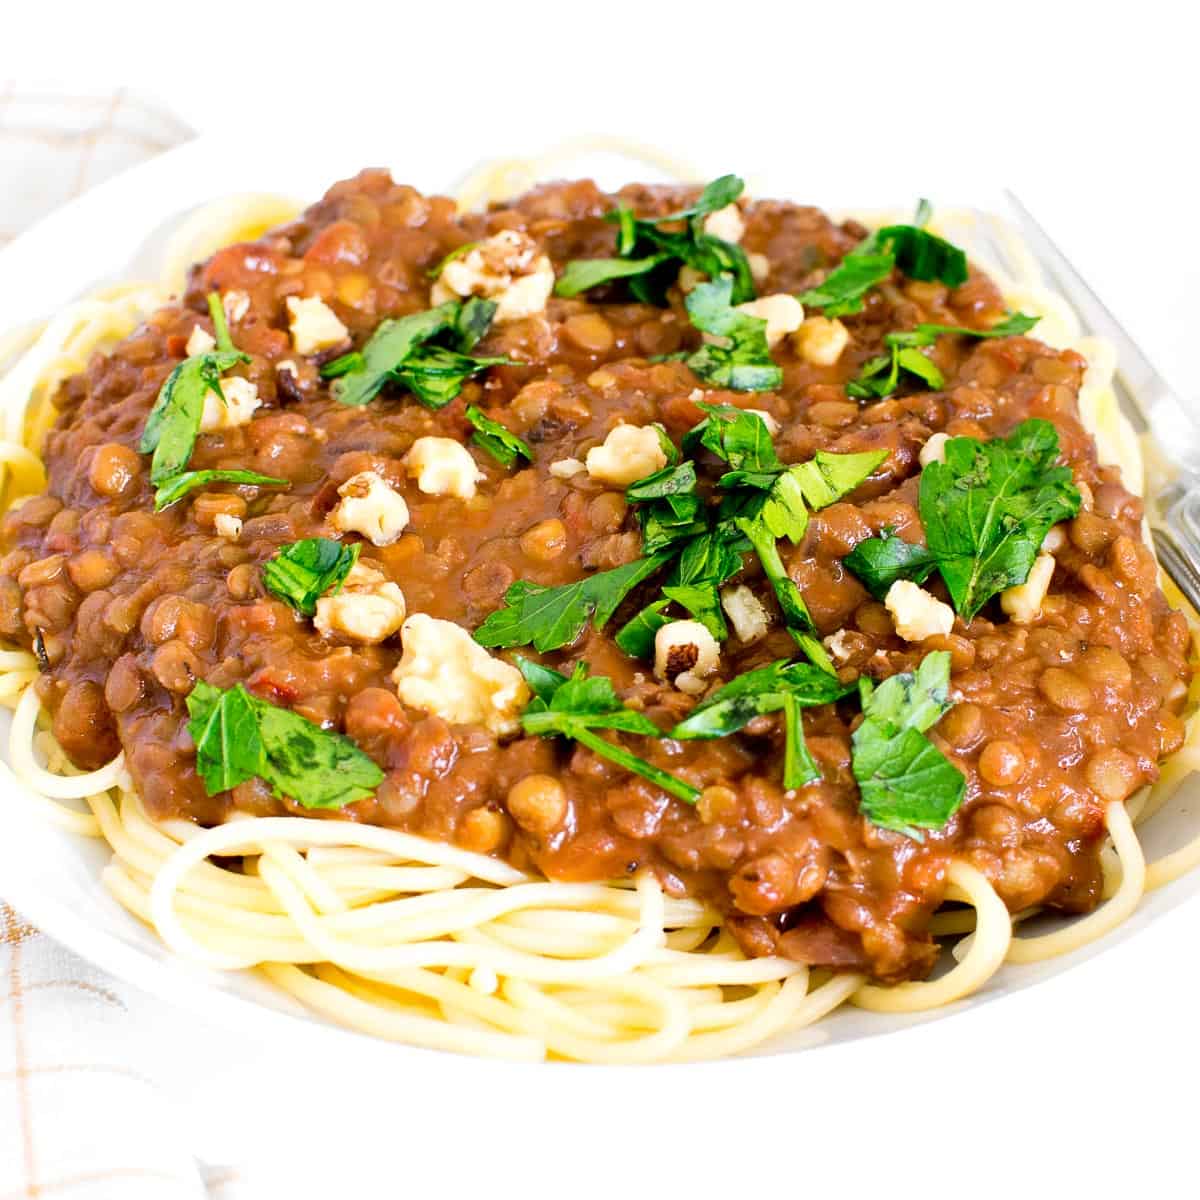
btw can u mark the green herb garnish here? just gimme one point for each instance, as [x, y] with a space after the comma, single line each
[739, 438]
[766, 499]
[436, 270]
[406, 351]
[909, 248]
[551, 617]
[649, 256]
[636, 636]
[881, 561]
[704, 544]
[988, 508]
[1014, 325]
[986, 511]
[742, 360]
[501, 443]
[780, 687]
[304, 571]
[174, 422]
[177, 486]
[906, 783]
[796, 616]
[577, 706]
[238, 737]
[880, 376]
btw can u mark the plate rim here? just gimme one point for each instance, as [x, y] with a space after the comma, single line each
[169, 978]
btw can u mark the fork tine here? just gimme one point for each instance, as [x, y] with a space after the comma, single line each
[1177, 563]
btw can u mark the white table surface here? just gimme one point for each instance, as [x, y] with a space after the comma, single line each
[1086, 1082]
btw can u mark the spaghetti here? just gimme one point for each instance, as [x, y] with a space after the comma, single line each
[419, 941]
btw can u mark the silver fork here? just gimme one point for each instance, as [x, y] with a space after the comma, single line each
[1146, 398]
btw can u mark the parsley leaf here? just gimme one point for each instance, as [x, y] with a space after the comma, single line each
[878, 562]
[915, 252]
[674, 480]
[636, 636]
[435, 272]
[501, 443]
[386, 350]
[848, 282]
[173, 425]
[922, 255]
[905, 782]
[780, 687]
[574, 707]
[670, 510]
[988, 507]
[741, 439]
[742, 360]
[1013, 325]
[583, 273]
[649, 256]
[551, 617]
[917, 698]
[986, 511]
[880, 376]
[827, 477]
[224, 727]
[472, 322]
[303, 572]
[704, 564]
[177, 486]
[791, 603]
[672, 520]
[238, 736]
[403, 350]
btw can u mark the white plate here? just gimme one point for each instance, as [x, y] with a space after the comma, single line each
[53, 877]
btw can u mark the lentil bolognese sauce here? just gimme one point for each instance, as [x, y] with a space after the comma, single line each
[662, 536]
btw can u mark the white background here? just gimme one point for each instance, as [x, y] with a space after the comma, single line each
[1089, 112]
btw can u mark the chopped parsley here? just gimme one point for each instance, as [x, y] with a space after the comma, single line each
[906, 783]
[174, 422]
[304, 571]
[549, 618]
[780, 687]
[909, 248]
[435, 272]
[649, 256]
[739, 438]
[577, 706]
[240, 737]
[501, 443]
[636, 636]
[879, 561]
[988, 508]
[880, 376]
[796, 616]
[741, 360]
[177, 486]
[986, 511]
[1014, 325]
[424, 353]
[701, 543]
[767, 499]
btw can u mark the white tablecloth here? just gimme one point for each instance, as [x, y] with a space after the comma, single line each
[82, 1057]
